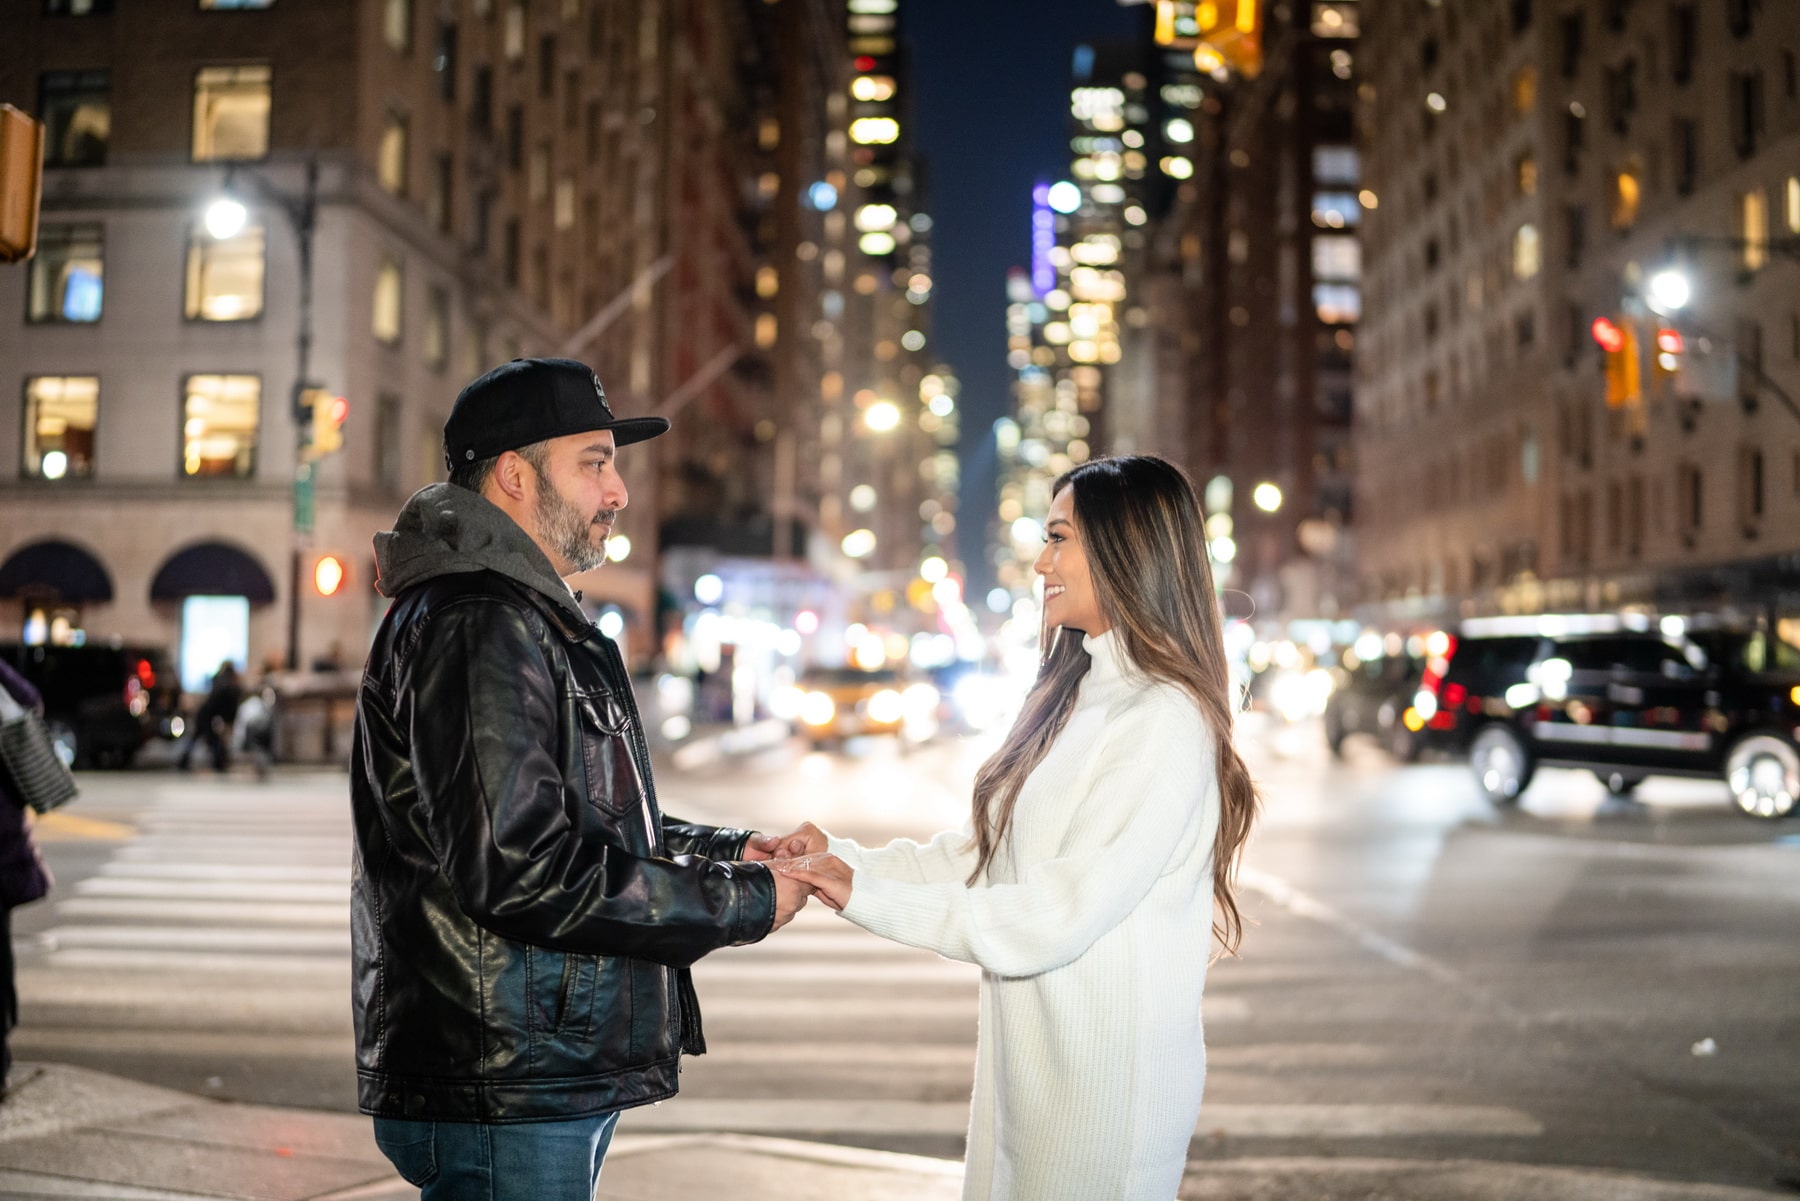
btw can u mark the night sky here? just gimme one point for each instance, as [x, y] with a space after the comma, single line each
[990, 98]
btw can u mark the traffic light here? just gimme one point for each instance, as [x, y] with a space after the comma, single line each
[1670, 346]
[21, 183]
[1619, 341]
[322, 415]
[329, 574]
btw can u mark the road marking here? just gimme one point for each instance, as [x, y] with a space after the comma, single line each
[217, 890]
[280, 913]
[871, 1117]
[199, 938]
[935, 972]
[187, 870]
[71, 827]
[1305, 905]
[163, 1042]
[186, 963]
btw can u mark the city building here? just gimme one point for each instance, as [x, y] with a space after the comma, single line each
[619, 182]
[1538, 168]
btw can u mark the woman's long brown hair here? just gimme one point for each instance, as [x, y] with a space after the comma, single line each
[1145, 541]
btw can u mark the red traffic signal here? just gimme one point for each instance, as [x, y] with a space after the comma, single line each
[329, 574]
[1608, 335]
[1668, 341]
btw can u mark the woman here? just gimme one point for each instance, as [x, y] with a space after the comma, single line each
[23, 876]
[1105, 835]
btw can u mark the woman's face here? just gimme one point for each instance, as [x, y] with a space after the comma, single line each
[1069, 598]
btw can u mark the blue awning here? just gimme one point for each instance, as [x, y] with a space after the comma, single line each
[55, 570]
[212, 569]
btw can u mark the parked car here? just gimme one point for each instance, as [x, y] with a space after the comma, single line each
[102, 703]
[1625, 705]
[1371, 699]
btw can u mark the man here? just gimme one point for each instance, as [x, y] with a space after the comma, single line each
[523, 914]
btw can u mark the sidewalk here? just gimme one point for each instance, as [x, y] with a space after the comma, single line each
[68, 1132]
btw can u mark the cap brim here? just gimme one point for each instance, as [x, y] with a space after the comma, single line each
[637, 429]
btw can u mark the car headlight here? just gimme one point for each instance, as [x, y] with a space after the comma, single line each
[787, 702]
[1426, 704]
[817, 709]
[886, 707]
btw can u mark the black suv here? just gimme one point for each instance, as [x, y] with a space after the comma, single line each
[1626, 704]
[101, 702]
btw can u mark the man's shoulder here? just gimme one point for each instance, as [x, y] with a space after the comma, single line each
[465, 596]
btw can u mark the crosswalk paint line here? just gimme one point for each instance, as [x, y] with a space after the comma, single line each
[843, 1054]
[189, 870]
[845, 1116]
[215, 890]
[199, 963]
[199, 938]
[811, 973]
[175, 1044]
[281, 913]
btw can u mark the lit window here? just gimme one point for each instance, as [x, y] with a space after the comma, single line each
[765, 330]
[396, 24]
[1526, 252]
[1525, 171]
[1336, 164]
[1337, 258]
[76, 109]
[231, 113]
[223, 4]
[437, 328]
[1334, 21]
[768, 281]
[866, 25]
[220, 416]
[390, 166]
[77, 8]
[1793, 204]
[1627, 194]
[386, 324]
[61, 412]
[874, 131]
[565, 202]
[1753, 210]
[67, 276]
[1337, 304]
[872, 88]
[1336, 210]
[1524, 90]
[515, 30]
[225, 276]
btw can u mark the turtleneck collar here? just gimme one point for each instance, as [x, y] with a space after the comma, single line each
[1107, 653]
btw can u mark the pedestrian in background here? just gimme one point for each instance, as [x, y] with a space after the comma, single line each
[1105, 836]
[213, 720]
[523, 914]
[23, 876]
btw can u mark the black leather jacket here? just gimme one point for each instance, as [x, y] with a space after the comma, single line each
[523, 915]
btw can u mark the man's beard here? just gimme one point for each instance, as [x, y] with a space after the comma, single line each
[566, 528]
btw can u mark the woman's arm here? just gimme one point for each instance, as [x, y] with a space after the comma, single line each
[1152, 792]
[948, 856]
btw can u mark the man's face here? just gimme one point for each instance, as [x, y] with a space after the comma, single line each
[579, 495]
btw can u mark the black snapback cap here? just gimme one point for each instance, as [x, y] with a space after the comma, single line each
[530, 400]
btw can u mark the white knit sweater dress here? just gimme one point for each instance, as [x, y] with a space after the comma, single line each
[1092, 930]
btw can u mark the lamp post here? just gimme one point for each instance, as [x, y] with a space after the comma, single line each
[225, 218]
[1669, 290]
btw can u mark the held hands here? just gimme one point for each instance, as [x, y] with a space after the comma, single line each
[829, 877]
[790, 897]
[807, 840]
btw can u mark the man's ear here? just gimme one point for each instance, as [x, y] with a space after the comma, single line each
[509, 477]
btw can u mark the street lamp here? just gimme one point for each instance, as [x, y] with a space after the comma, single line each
[1669, 291]
[882, 416]
[225, 217]
[1267, 497]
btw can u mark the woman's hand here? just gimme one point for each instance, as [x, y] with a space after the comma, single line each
[807, 840]
[830, 877]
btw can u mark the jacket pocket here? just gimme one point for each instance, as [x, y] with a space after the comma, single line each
[612, 776]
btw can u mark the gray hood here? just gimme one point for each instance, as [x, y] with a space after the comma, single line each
[447, 530]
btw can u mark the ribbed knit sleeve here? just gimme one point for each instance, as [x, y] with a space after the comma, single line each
[1150, 781]
[948, 856]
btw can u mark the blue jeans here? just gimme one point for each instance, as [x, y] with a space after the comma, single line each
[475, 1161]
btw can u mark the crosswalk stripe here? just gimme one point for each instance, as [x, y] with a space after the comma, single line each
[217, 890]
[199, 938]
[189, 870]
[276, 912]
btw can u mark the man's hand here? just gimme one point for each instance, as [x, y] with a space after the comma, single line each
[830, 876]
[790, 898]
[807, 840]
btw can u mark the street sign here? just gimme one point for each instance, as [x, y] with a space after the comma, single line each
[303, 499]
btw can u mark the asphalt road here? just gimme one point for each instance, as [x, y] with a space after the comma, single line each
[1576, 983]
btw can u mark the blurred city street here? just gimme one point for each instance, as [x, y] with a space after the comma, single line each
[1428, 983]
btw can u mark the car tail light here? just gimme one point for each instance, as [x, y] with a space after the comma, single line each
[146, 674]
[1435, 703]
